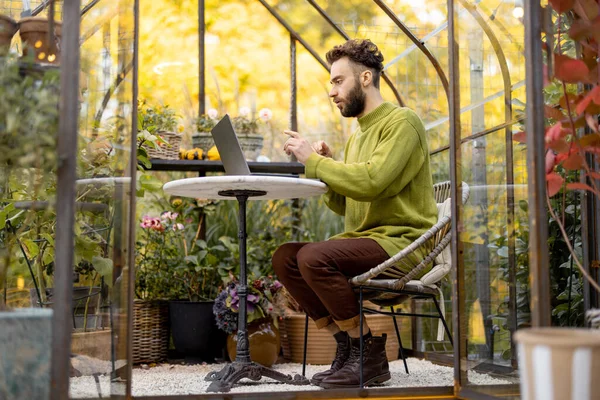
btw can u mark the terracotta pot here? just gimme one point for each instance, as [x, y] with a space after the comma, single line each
[34, 34]
[264, 342]
[559, 363]
[321, 345]
[8, 28]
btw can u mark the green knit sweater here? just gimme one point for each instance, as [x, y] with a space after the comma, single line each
[383, 187]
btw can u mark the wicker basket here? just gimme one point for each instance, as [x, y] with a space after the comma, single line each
[166, 152]
[150, 331]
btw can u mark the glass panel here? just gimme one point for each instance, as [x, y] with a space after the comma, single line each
[30, 94]
[494, 226]
[103, 189]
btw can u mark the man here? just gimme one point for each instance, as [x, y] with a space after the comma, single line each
[384, 190]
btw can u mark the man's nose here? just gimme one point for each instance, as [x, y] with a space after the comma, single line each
[333, 92]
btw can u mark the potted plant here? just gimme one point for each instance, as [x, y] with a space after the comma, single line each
[199, 277]
[158, 122]
[202, 138]
[8, 28]
[34, 32]
[246, 128]
[568, 148]
[264, 307]
[159, 250]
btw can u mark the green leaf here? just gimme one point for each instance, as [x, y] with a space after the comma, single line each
[48, 238]
[202, 254]
[523, 205]
[31, 247]
[104, 266]
[191, 259]
[503, 252]
[150, 183]
[3, 216]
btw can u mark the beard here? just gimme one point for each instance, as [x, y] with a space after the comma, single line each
[355, 104]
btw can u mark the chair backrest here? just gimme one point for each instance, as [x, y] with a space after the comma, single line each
[443, 260]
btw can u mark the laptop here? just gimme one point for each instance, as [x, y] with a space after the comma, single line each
[229, 148]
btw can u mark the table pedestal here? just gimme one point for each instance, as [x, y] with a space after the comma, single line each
[243, 367]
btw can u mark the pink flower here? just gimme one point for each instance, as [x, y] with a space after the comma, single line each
[265, 114]
[169, 215]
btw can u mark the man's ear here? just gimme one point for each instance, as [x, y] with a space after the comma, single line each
[366, 77]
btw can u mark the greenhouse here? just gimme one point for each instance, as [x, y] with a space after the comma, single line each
[158, 158]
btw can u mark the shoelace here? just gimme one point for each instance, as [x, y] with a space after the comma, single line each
[355, 354]
[339, 354]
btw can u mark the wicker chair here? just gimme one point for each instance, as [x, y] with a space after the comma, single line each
[386, 285]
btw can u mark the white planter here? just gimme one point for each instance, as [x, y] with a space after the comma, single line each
[559, 363]
[25, 351]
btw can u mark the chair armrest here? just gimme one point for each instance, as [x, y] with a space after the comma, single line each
[436, 229]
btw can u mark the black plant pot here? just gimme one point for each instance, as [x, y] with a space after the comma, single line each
[194, 330]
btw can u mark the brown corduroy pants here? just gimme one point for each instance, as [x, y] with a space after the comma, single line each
[316, 275]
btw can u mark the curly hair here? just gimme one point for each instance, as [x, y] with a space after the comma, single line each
[362, 52]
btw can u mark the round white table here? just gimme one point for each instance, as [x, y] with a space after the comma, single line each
[244, 188]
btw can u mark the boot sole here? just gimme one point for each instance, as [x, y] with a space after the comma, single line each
[378, 380]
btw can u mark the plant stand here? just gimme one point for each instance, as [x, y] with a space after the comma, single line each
[242, 367]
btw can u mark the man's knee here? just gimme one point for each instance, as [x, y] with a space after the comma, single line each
[283, 257]
[311, 258]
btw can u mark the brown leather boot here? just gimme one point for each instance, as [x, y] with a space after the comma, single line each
[341, 355]
[376, 369]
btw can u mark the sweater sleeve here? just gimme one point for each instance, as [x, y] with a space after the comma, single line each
[365, 181]
[336, 202]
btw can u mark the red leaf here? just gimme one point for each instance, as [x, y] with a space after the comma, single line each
[554, 183]
[560, 145]
[573, 161]
[586, 9]
[519, 137]
[595, 175]
[593, 139]
[580, 186]
[554, 132]
[594, 95]
[592, 121]
[570, 70]
[553, 113]
[562, 6]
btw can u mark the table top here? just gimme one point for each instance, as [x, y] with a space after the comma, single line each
[276, 187]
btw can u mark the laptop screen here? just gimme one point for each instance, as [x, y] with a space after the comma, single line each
[229, 148]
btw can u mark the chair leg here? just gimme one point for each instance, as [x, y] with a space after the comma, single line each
[305, 345]
[437, 306]
[360, 310]
[401, 350]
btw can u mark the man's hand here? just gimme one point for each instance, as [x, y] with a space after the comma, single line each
[298, 146]
[322, 149]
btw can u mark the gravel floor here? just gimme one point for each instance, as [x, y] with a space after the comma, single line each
[170, 379]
